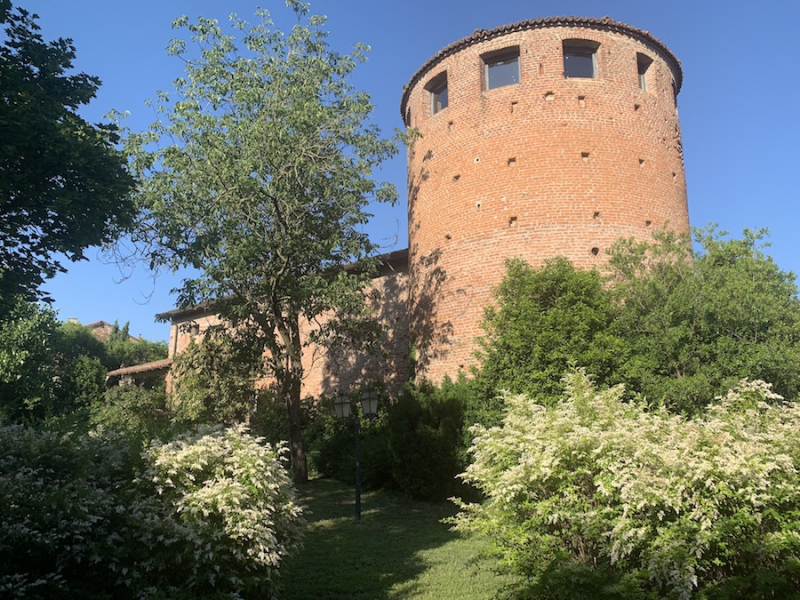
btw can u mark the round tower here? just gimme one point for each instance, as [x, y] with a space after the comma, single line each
[543, 138]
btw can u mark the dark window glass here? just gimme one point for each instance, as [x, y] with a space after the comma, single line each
[439, 98]
[503, 70]
[642, 64]
[579, 62]
[437, 88]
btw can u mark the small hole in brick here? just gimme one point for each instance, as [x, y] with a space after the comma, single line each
[511, 221]
[514, 106]
[447, 236]
[478, 204]
[585, 156]
[512, 161]
[549, 96]
[477, 159]
[674, 176]
[449, 124]
[456, 177]
[648, 223]
[582, 100]
[541, 69]
[595, 251]
[641, 162]
[636, 107]
[596, 214]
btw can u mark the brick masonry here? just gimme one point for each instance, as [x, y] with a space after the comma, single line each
[544, 167]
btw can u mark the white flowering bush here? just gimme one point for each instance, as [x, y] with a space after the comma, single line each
[211, 514]
[232, 495]
[601, 498]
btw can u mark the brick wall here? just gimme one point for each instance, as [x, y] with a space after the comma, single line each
[544, 167]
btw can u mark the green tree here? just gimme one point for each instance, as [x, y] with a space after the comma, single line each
[545, 320]
[699, 321]
[122, 350]
[258, 175]
[63, 186]
[27, 369]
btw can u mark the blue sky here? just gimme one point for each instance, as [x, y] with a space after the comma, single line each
[740, 123]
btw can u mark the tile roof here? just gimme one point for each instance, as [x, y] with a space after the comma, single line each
[482, 35]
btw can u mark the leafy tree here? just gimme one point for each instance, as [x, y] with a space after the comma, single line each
[63, 186]
[122, 350]
[545, 320]
[257, 175]
[697, 322]
[214, 380]
[27, 367]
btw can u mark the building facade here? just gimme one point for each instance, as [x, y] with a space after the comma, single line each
[542, 138]
[537, 139]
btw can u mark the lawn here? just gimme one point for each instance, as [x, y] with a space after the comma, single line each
[400, 549]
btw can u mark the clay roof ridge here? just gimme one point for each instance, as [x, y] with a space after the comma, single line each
[480, 35]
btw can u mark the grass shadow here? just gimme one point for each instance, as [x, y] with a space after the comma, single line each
[387, 554]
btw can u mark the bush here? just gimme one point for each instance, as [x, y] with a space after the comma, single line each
[416, 445]
[651, 503]
[235, 498]
[212, 515]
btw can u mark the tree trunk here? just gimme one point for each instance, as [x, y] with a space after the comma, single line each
[290, 386]
[296, 447]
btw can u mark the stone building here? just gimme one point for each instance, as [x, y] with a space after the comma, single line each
[546, 137]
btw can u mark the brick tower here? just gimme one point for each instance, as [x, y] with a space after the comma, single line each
[543, 138]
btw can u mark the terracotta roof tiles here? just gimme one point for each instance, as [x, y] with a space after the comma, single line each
[481, 35]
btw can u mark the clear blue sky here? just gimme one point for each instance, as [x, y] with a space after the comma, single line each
[738, 106]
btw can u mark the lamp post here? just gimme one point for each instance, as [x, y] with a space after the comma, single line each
[369, 405]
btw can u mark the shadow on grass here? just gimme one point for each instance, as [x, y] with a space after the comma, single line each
[380, 557]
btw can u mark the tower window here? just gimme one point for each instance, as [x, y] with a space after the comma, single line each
[501, 68]
[642, 65]
[437, 88]
[580, 58]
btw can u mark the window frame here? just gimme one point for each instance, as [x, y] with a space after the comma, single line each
[576, 47]
[643, 63]
[500, 57]
[436, 87]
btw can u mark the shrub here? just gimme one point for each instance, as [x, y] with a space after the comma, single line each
[650, 503]
[416, 445]
[235, 498]
[213, 514]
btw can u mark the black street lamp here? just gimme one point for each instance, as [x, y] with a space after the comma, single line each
[369, 405]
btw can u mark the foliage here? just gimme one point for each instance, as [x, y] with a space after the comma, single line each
[50, 370]
[213, 381]
[697, 322]
[425, 438]
[212, 514]
[652, 502]
[63, 186]
[416, 445]
[122, 350]
[27, 369]
[138, 412]
[234, 496]
[546, 319]
[257, 174]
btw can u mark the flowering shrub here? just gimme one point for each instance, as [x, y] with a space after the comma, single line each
[233, 496]
[210, 514]
[639, 503]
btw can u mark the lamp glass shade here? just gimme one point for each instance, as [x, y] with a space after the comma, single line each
[369, 402]
[342, 405]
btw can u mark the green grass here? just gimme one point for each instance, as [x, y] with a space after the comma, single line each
[400, 549]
